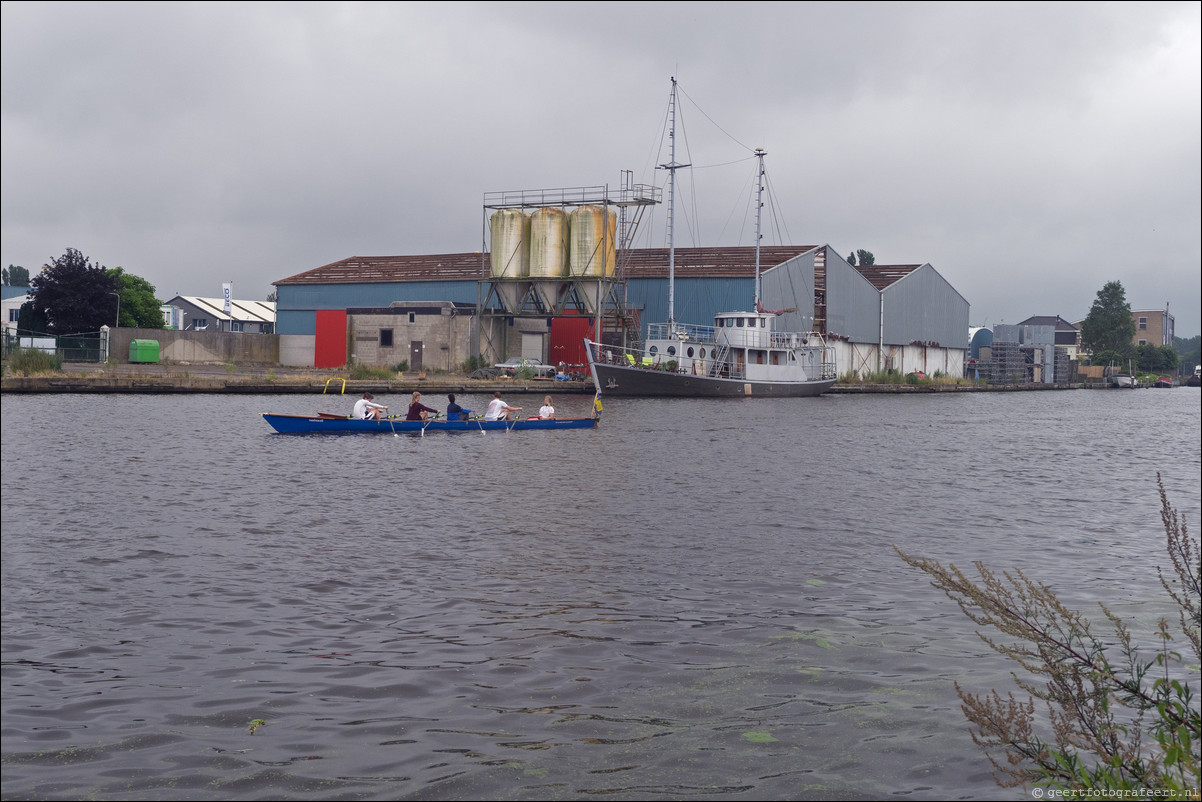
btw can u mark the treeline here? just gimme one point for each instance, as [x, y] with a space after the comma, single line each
[72, 295]
[1190, 352]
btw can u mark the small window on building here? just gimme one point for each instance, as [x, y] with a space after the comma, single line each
[200, 323]
[14, 315]
[1143, 323]
[1143, 342]
[385, 338]
[412, 317]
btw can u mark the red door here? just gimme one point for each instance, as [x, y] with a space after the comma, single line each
[567, 341]
[329, 351]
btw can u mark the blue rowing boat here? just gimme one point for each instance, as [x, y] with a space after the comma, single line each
[325, 423]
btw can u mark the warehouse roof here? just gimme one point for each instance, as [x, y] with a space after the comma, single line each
[641, 263]
[881, 276]
[241, 311]
[1048, 320]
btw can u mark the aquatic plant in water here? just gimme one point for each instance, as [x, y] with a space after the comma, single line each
[1116, 722]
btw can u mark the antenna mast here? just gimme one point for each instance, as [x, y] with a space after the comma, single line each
[759, 207]
[672, 167]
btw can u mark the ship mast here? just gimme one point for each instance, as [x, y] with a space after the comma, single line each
[672, 166]
[759, 207]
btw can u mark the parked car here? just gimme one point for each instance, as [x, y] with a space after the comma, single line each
[512, 365]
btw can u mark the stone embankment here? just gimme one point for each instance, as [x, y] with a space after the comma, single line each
[273, 380]
[252, 380]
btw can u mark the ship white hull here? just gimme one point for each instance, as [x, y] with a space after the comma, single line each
[618, 380]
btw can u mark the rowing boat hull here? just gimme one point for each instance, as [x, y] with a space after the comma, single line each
[326, 424]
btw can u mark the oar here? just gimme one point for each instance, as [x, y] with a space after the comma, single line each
[480, 421]
[427, 423]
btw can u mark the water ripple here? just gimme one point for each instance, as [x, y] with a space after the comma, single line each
[698, 600]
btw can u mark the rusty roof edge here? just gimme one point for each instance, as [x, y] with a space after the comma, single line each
[472, 266]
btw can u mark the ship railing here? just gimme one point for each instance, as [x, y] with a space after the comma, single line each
[829, 369]
[715, 363]
[685, 332]
[638, 358]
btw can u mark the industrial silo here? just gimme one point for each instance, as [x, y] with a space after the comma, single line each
[509, 251]
[548, 243]
[592, 241]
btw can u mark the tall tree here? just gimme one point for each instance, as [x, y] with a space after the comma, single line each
[139, 308]
[1156, 358]
[1190, 352]
[865, 257]
[74, 295]
[1109, 325]
[16, 276]
[30, 320]
[851, 259]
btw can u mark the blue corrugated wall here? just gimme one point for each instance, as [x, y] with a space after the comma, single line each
[697, 299]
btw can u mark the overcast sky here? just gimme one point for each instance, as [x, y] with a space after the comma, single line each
[1030, 152]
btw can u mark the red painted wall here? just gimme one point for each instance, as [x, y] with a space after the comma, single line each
[567, 340]
[330, 348]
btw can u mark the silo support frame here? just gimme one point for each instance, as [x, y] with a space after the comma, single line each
[574, 296]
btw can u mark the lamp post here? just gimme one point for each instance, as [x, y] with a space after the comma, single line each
[118, 308]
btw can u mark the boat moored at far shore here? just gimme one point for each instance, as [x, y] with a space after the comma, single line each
[740, 356]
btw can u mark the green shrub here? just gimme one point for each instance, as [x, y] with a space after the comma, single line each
[34, 360]
[893, 377]
[363, 372]
[1106, 358]
[401, 366]
[1116, 722]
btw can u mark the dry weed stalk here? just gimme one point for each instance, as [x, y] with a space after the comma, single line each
[1098, 710]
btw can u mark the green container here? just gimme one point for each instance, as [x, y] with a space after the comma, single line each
[143, 350]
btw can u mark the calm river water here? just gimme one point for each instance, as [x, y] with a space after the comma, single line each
[696, 600]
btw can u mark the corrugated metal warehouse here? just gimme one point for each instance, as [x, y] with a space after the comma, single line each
[435, 311]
